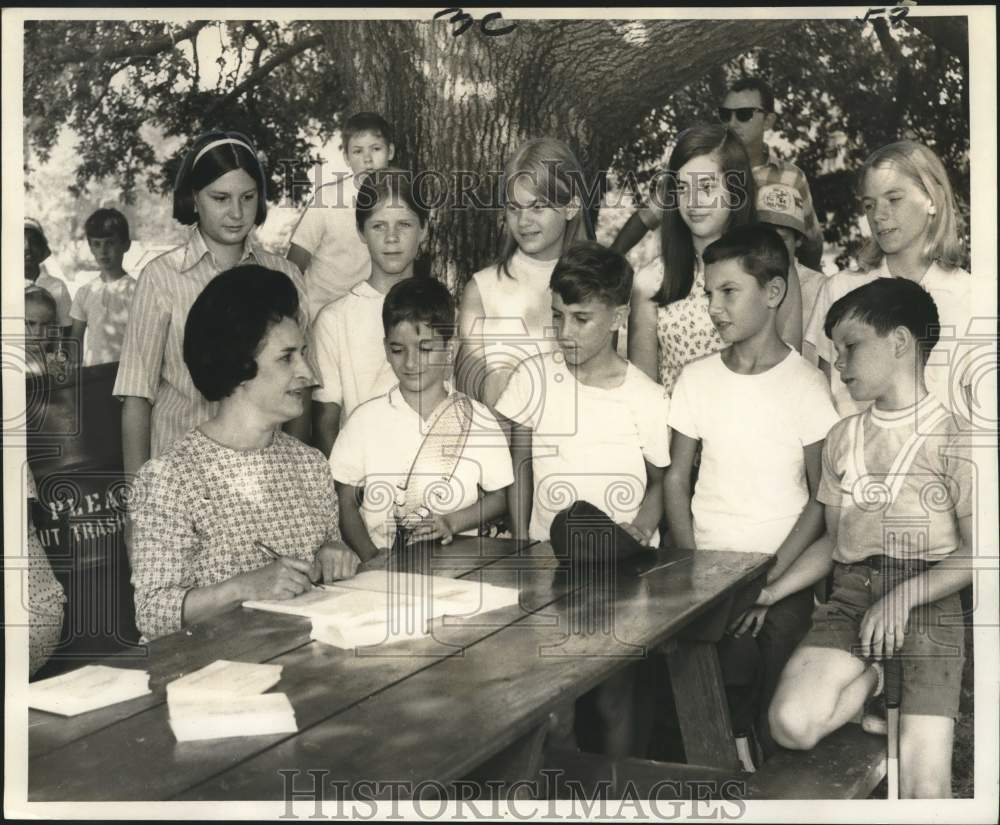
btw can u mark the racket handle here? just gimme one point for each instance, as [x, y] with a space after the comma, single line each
[893, 682]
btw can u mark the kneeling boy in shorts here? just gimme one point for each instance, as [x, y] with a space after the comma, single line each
[897, 488]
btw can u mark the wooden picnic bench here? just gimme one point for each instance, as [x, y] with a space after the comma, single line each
[473, 700]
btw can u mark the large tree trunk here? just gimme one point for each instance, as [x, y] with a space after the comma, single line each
[463, 104]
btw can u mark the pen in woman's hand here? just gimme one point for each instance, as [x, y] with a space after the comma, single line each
[274, 554]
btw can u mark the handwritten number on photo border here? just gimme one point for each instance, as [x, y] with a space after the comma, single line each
[464, 20]
[897, 15]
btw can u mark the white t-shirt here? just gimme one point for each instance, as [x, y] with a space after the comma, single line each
[752, 481]
[328, 232]
[104, 306]
[810, 282]
[518, 307]
[947, 370]
[587, 443]
[377, 446]
[348, 348]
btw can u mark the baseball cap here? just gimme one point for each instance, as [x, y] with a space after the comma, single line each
[781, 205]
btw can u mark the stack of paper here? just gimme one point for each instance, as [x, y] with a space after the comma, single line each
[192, 720]
[87, 688]
[223, 678]
[382, 607]
[349, 632]
[227, 699]
[443, 596]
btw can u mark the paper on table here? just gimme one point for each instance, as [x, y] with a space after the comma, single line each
[225, 678]
[225, 717]
[328, 600]
[348, 632]
[446, 597]
[87, 688]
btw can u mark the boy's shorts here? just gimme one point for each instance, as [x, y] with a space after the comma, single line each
[933, 650]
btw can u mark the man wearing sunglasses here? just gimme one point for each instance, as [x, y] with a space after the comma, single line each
[747, 109]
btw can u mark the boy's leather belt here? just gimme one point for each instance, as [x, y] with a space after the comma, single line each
[890, 564]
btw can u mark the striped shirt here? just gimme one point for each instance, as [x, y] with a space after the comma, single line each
[152, 363]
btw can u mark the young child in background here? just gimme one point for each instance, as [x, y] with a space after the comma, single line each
[41, 333]
[760, 413]
[325, 243]
[708, 189]
[100, 307]
[387, 461]
[220, 193]
[348, 334]
[588, 425]
[780, 207]
[898, 564]
[36, 250]
[911, 213]
[506, 307]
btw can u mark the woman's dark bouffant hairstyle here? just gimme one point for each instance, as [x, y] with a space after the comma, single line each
[233, 150]
[676, 245]
[227, 324]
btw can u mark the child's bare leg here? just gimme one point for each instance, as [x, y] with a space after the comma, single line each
[925, 745]
[820, 690]
[616, 709]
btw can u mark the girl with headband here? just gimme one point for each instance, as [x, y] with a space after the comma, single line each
[220, 194]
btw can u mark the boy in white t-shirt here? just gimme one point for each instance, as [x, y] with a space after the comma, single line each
[588, 425]
[420, 438]
[760, 412]
[325, 244]
[100, 307]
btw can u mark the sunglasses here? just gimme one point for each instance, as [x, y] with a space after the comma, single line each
[743, 113]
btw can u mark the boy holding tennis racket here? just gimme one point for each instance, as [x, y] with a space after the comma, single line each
[421, 457]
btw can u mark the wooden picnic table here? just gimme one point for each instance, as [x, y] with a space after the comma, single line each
[474, 698]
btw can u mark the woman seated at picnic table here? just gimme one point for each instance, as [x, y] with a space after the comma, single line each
[237, 509]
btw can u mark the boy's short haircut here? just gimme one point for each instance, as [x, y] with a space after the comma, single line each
[589, 270]
[40, 295]
[365, 122]
[887, 303]
[755, 84]
[388, 184]
[420, 301]
[107, 223]
[759, 249]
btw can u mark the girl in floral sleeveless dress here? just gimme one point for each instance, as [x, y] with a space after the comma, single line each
[708, 188]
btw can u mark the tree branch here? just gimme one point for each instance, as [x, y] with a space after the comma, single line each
[264, 70]
[148, 48]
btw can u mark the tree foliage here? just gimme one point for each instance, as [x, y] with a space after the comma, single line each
[618, 90]
[842, 90]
